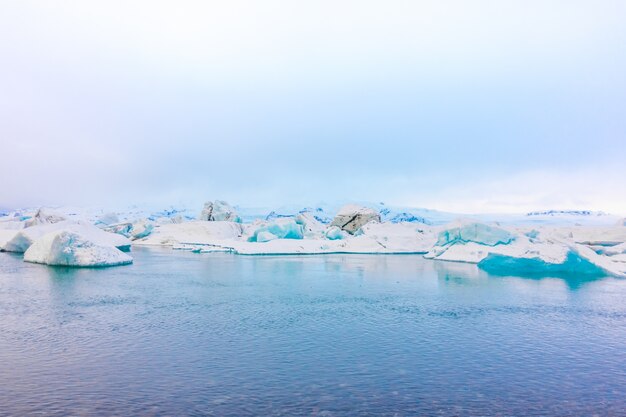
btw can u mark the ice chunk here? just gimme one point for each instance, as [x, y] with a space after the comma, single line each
[5, 236]
[265, 236]
[498, 264]
[352, 217]
[193, 232]
[141, 229]
[313, 228]
[474, 232]
[44, 216]
[219, 210]
[26, 237]
[335, 233]
[285, 228]
[108, 219]
[136, 230]
[62, 247]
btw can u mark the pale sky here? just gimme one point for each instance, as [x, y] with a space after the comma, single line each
[467, 106]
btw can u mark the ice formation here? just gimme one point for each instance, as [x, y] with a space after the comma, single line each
[66, 248]
[219, 210]
[335, 233]
[543, 243]
[474, 232]
[44, 216]
[193, 232]
[352, 217]
[24, 238]
[281, 228]
[523, 251]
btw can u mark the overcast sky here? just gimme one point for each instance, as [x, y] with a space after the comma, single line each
[470, 106]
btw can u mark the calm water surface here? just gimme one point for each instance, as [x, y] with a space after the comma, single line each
[217, 334]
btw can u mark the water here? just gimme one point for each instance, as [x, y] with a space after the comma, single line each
[218, 334]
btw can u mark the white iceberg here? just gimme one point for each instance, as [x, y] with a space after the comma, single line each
[521, 251]
[72, 249]
[193, 232]
[352, 217]
[44, 216]
[219, 210]
[22, 240]
[135, 230]
[474, 232]
[311, 226]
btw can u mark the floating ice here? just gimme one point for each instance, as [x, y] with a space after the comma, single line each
[66, 248]
[311, 226]
[285, 228]
[44, 216]
[265, 236]
[219, 210]
[498, 264]
[352, 217]
[193, 232]
[26, 237]
[335, 233]
[474, 232]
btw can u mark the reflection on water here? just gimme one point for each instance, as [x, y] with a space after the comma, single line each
[219, 334]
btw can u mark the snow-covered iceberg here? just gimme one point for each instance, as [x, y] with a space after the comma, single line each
[193, 232]
[219, 210]
[44, 216]
[474, 232]
[135, 230]
[352, 217]
[24, 238]
[520, 251]
[67, 248]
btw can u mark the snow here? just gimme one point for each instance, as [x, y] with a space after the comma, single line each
[44, 216]
[352, 217]
[219, 210]
[67, 248]
[193, 232]
[24, 238]
[474, 232]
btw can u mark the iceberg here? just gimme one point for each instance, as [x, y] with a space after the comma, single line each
[498, 264]
[193, 232]
[474, 232]
[136, 230]
[335, 233]
[352, 217]
[219, 210]
[44, 216]
[311, 226]
[24, 238]
[283, 228]
[66, 248]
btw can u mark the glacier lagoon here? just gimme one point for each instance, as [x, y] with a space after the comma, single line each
[220, 334]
